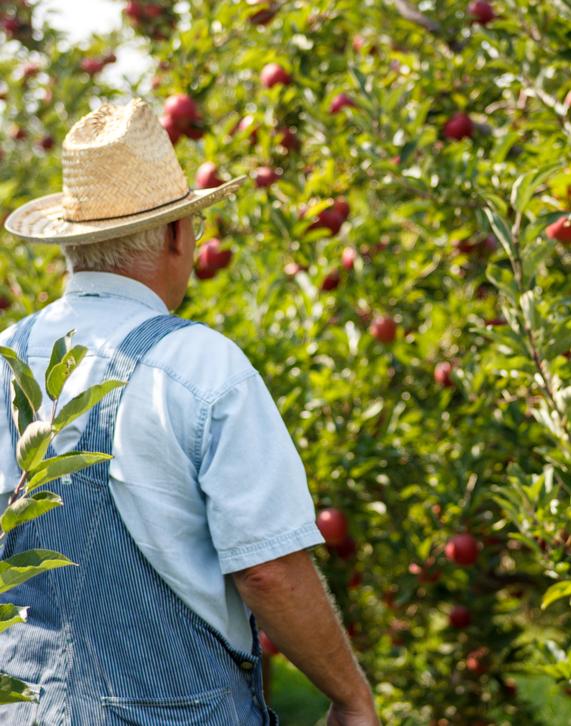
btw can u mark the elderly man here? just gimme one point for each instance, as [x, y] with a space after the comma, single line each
[199, 526]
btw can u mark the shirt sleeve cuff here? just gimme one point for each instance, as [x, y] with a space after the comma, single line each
[239, 558]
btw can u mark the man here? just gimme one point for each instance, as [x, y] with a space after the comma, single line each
[199, 525]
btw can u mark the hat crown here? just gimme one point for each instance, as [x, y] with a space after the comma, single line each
[119, 161]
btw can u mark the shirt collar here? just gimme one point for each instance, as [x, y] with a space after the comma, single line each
[108, 283]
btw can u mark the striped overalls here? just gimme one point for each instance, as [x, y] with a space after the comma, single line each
[109, 642]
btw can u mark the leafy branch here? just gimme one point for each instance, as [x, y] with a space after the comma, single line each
[33, 444]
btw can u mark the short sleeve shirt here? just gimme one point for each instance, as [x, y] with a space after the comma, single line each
[205, 475]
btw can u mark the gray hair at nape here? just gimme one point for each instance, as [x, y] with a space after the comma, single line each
[140, 248]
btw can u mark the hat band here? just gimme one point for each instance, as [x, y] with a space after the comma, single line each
[130, 214]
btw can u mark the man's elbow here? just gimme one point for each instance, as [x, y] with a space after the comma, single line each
[268, 575]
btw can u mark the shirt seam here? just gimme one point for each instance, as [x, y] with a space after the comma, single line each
[310, 528]
[86, 293]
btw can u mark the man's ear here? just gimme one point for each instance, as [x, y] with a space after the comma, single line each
[173, 236]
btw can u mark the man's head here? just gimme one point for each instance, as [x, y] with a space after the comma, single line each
[122, 188]
[161, 257]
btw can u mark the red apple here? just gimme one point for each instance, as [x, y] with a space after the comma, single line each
[169, 125]
[341, 205]
[18, 133]
[384, 329]
[333, 525]
[153, 10]
[459, 126]
[476, 660]
[346, 550]
[265, 176]
[272, 74]
[92, 65]
[202, 271]
[330, 219]
[207, 176]
[460, 617]
[348, 258]
[29, 70]
[266, 12]
[267, 646]
[339, 102]
[560, 229]
[442, 373]
[287, 138]
[331, 280]
[481, 11]
[182, 109]
[12, 26]
[213, 256]
[134, 11]
[46, 142]
[355, 581]
[462, 549]
[193, 132]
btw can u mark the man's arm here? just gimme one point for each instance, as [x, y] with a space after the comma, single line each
[292, 604]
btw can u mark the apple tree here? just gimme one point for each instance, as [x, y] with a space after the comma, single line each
[397, 271]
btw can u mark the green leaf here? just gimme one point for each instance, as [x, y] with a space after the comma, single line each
[503, 279]
[59, 466]
[21, 567]
[529, 308]
[27, 508]
[24, 411]
[59, 349]
[10, 615]
[525, 185]
[83, 402]
[24, 377]
[559, 341]
[59, 374]
[501, 230]
[13, 690]
[33, 444]
[534, 254]
[556, 592]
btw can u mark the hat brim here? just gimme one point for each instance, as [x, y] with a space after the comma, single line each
[42, 220]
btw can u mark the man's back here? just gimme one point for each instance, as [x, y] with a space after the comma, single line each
[205, 475]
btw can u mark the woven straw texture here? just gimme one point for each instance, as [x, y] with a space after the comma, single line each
[120, 175]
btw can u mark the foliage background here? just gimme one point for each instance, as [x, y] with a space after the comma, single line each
[409, 461]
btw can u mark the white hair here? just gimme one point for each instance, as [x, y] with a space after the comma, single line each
[142, 248]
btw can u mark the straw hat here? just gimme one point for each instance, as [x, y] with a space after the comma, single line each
[120, 175]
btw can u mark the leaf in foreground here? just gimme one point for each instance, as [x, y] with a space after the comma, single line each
[33, 444]
[83, 402]
[556, 592]
[28, 508]
[14, 691]
[24, 377]
[59, 466]
[12, 614]
[21, 567]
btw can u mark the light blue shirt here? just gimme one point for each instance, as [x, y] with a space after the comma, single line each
[205, 474]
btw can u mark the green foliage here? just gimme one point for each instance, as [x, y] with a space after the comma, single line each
[36, 470]
[411, 462]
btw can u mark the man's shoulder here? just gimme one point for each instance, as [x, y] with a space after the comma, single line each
[202, 358]
[8, 332]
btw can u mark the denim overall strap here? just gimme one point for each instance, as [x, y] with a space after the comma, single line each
[19, 343]
[101, 423]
